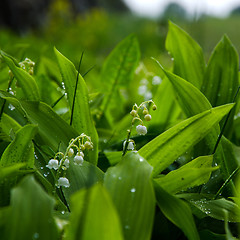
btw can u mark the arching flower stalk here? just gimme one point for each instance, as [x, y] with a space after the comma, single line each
[61, 161]
[129, 144]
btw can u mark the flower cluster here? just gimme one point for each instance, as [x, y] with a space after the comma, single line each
[129, 144]
[27, 65]
[141, 129]
[75, 151]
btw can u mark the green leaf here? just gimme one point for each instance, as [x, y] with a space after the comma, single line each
[188, 56]
[26, 81]
[215, 208]
[6, 172]
[52, 129]
[21, 149]
[82, 119]
[131, 189]
[8, 124]
[177, 211]
[192, 101]
[221, 77]
[31, 213]
[93, 216]
[117, 71]
[167, 147]
[194, 173]
[82, 177]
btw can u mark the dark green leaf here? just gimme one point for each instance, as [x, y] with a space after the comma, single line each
[177, 211]
[31, 213]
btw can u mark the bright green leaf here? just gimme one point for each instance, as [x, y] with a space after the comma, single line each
[20, 150]
[194, 173]
[167, 147]
[188, 56]
[130, 187]
[93, 216]
[26, 81]
[221, 77]
[82, 119]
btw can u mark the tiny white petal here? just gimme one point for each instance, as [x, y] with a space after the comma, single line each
[141, 130]
[130, 145]
[66, 163]
[63, 182]
[78, 160]
[53, 163]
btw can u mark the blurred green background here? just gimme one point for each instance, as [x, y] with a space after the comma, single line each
[95, 27]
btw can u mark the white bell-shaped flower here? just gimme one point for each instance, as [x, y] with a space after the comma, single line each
[53, 164]
[141, 130]
[130, 145]
[63, 182]
[78, 160]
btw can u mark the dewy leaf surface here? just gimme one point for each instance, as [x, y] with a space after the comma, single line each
[26, 81]
[188, 56]
[82, 120]
[192, 174]
[21, 149]
[177, 211]
[94, 216]
[31, 213]
[221, 77]
[167, 147]
[129, 184]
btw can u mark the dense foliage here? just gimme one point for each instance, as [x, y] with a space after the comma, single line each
[132, 154]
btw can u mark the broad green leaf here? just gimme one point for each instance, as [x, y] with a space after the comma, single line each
[26, 81]
[215, 208]
[194, 173]
[117, 71]
[113, 157]
[82, 119]
[8, 124]
[167, 147]
[188, 56]
[192, 101]
[93, 216]
[177, 211]
[20, 150]
[52, 129]
[82, 177]
[206, 234]
[31, 213]
[129, 184]
[221, 76]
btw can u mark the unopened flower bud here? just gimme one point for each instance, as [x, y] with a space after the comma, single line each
[148, 117]
[141, 130]
[66, 163]
[133, 113]
[145, 111]
[154, 107]
[88, 145]
[70, 152]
